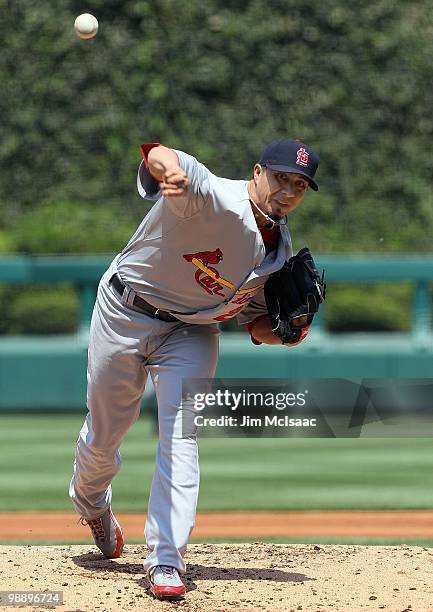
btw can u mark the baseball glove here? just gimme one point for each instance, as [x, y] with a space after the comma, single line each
[293, 292]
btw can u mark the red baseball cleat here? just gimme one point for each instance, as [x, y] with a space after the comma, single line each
[165, 582]
[107, 534]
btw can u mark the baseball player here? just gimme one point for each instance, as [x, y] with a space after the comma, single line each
[200, 256]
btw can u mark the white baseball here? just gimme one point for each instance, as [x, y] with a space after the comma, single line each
[86, 26]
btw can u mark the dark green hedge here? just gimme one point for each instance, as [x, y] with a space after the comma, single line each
[69, 228]
[220, 79]
[38, 310]
[380, 307]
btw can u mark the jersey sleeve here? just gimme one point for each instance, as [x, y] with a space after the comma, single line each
[198, 189]
[147, 186]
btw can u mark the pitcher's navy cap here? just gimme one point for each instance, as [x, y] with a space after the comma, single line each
[291, 156]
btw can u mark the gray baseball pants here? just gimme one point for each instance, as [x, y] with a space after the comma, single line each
[125, 346]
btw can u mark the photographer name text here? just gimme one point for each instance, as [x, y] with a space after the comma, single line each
[247, 421]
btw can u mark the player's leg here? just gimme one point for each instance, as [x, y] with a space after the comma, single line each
[116, 377]
[190, 352]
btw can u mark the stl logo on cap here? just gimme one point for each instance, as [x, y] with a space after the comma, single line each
[302, 157]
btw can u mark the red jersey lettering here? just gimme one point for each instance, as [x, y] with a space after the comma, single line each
[208, 283]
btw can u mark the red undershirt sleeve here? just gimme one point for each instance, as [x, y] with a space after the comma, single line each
[145, 150]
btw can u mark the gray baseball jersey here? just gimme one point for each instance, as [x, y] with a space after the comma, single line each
[201, 256]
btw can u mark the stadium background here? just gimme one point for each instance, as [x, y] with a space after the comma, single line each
[217, 79]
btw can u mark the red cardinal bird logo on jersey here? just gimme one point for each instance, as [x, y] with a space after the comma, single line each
[206, 257]
[206, 276]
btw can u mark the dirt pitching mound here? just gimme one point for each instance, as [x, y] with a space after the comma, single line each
[246, 577]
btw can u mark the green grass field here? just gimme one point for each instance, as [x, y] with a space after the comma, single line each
[36, 455]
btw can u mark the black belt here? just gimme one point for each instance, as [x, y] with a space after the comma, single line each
[141, 304]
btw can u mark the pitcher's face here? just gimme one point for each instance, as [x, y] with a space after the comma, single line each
[278, 193]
